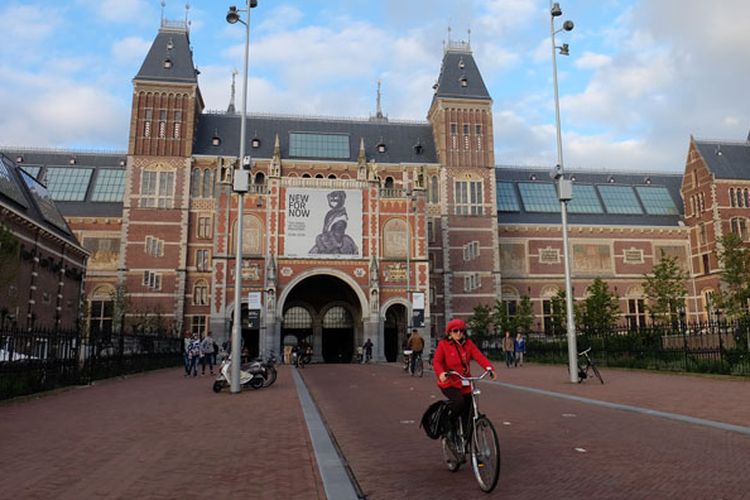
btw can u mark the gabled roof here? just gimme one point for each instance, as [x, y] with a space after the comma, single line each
[172, 44]
[726, 160]
[516, 175]
[23, 194]
[459, 74]
[399, 138]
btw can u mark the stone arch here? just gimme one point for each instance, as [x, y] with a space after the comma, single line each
[361, 296]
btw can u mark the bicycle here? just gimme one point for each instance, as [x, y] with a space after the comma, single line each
[418, 366]
[583, 373]
[479, 441]
[407, 360]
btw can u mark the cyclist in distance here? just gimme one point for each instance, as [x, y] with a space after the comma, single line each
[454, 353]
[416, 345]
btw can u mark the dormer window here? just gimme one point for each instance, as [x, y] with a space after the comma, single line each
[461, 64]
[532, 177]
[648, 180]
[418, 148]
[170, 44]
[122, 163]
[72, 161]
[611, 180]
[255, 143]
[464, 81]
[381, 147]
[19, 159]
[167, 63]
[216, 140]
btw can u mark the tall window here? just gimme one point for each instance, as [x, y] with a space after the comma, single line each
[148, 116]
[434, 189]
[195, 183]
[472, 282]
[702, 237]
[101, 316]
[177, 124]
[198, 325]
[469, 198]
[636, 316]
[154, 246]
[471, 250]
[152, 280]
[201, 260]
[162, 124]
[200, 293]
[204, 228]
[157, 189]
[739, 227]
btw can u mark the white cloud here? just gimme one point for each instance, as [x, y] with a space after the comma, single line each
[590, 60]
[130, 49]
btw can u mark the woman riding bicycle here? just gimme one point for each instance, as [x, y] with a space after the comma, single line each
[454, 353]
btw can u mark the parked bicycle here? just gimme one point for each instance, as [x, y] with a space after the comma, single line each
[583, 371]
[479, 441]
[407, 359]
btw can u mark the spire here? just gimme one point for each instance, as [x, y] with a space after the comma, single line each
[275, 168]
[163, 4]
[231, 108]
[459, 74]
[379, 116]
[362, 161]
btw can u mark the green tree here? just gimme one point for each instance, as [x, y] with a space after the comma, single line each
[665, 290]
[558, 318]
[480, 323]
[599, 311]
[734, 259]
[500, 317]
[524, 318]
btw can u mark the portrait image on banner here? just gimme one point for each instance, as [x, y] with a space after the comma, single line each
[325, 223]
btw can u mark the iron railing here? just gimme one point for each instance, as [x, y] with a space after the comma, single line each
[41, 360]
[719, 347]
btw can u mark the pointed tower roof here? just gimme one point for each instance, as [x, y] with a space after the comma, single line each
[459, 74]
[170, 58]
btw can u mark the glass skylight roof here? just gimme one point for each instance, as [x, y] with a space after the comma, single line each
[539, 196]
[31, 169]
[507, 201]
[109, 185]
[8, 185]
[656, 200]
[585, 200]
[308, 145]
[619, 199]
[68, 184]
[44, 202]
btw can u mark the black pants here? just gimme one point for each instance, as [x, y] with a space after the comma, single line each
[459, 405]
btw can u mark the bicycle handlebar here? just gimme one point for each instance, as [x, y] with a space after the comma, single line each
[456, 374]
[584, 352]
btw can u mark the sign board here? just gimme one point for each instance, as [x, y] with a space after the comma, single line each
[417, 300]
[253, 300]
[417, 318]
[323, 223]
[253, 319]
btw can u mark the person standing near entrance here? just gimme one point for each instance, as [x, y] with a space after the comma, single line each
[209, 356]
[416, 345]
[368, 350]
[508, 348]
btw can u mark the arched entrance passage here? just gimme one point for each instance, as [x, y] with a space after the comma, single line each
[394, 330]
[325, 311]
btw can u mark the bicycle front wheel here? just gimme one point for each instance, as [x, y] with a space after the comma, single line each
[598, 375]
[419, 368]
[485, 454]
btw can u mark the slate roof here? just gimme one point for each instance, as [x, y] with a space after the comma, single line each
[16, 194]
[459, 66]
[399, 138]
[31, 158]
[726, 160]
[518, 174]
[172, 43]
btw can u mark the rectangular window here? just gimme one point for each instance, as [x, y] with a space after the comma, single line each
[148, 116]
[657, 200]
[507, 201]
[430, 232]
[739, 227]
[539, 197]
[307, 145]
[472, 282]
[706, 264]
[68, 184]
[198, 325]
[200, 295]
[478, 129]
[468, 198]
[471, 250]
[204, 228]
[154, 246]
[585, 200]
[157, 188]
[109, 185]
[636, 317]
[454, 128]
[202, 260]
[702, 235]
[466, 129]
[152, 280]
[620, 199]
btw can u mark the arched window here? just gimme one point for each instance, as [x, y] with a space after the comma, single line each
[208, 178]
[738, 225]
[297, 318]
[337, 317]
[434, 189]
[747, 198]
[731, 197]
[195, 183]
[388, 182]
[260, 179]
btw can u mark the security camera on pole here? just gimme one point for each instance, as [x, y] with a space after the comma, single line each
[565, 194]
[240, 186]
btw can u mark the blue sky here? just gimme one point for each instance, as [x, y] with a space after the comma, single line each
[641, 78]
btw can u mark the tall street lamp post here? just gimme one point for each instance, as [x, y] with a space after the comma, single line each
[565, 194]
[240, 186]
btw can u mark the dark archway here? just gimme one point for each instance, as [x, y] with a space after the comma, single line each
[334, 317]
[393, 330]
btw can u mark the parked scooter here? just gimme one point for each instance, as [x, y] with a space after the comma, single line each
[266, 369]
[247, 379]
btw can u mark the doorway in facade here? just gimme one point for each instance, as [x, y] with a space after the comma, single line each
[394, 331]
[250, 336]
[324, 312]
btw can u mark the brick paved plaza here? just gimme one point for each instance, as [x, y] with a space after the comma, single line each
[160, 435]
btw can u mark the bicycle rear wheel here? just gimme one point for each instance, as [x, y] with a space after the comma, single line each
[596, 372]
[419, 368]
[485, 454]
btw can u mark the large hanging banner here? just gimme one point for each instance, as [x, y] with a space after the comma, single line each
[323, 223]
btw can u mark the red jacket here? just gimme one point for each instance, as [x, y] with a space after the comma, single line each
[452, 356]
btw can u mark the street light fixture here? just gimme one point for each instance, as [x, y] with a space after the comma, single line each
[565, 194]
[240, 186]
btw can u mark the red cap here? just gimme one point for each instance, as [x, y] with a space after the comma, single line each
[455, 324]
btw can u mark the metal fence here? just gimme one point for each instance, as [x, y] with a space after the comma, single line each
[715, 347]
[36, 361]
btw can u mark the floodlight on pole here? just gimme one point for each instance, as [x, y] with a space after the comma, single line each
[565, 194]
[240, 186]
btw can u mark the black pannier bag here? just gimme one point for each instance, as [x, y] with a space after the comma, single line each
[435, 420]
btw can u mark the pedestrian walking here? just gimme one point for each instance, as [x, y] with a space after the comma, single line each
[368, 350]
[519, 348]
[508, 349]
[194, 354]
[208, 354]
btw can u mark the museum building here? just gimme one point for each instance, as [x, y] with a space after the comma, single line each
[362, 228]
